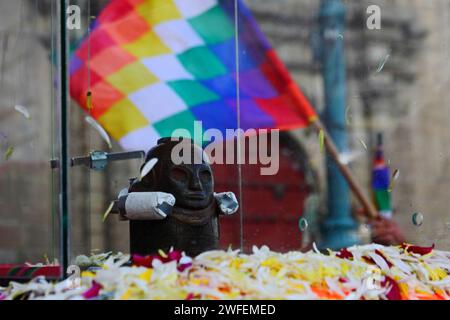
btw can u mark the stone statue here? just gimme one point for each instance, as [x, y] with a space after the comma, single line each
[173, 204]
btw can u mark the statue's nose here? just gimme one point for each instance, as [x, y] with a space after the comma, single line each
[195, 183]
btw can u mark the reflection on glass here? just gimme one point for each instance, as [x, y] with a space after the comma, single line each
[135, 77]
[396, 85]
[28, 132]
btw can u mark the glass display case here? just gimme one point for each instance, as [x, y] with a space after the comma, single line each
[59, 214]
[326, 119]
[30, 94]
[126, 95]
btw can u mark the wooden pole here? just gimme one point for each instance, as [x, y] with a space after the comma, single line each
[370, 209]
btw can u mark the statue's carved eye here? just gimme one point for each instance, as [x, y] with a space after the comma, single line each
[205, 176]
[179, 175]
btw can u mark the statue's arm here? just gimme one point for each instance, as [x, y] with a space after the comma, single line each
[227, 202]
[145, 205]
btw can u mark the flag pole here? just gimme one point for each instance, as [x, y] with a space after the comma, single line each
[369, 207]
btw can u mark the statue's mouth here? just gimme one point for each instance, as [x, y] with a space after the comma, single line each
[195, 196]
[194, 216]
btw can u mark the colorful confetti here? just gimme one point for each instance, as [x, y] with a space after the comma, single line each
[8, 153]
[100, 130]
[322, 141]
[148, 167]
[89, 105]
[363, 143]
[395, 176]
[24, 111]
[382, 63]
[108, 211]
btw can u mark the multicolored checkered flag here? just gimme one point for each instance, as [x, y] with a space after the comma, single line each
[153, 66]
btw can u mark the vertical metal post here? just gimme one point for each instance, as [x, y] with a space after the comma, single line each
[64, 135]
[338, 229]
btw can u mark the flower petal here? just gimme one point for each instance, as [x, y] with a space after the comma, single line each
[344, 254]
[417, 249]
[94, 291]
[394, 292]
[142, 261]
[174, 255]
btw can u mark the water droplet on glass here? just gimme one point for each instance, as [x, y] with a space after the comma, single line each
[417, 219]
[303, 224]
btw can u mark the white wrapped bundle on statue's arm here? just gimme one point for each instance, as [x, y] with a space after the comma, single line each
[227, 202]
[146, 205]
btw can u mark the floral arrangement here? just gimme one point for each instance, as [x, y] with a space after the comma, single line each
[360, 272]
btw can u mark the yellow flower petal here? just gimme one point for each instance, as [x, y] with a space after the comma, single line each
[146, 275]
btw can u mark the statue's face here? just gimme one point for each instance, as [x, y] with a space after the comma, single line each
[192, 185]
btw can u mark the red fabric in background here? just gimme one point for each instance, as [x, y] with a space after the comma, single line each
[17, 271]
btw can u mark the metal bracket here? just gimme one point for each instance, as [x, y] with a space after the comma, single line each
[98, 160]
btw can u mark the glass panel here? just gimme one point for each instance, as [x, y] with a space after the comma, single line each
[374, 71]
[280, 186]
[29, 131]
[369, 84]
[144, 84]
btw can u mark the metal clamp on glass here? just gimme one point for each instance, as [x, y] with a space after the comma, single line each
[98, 160]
